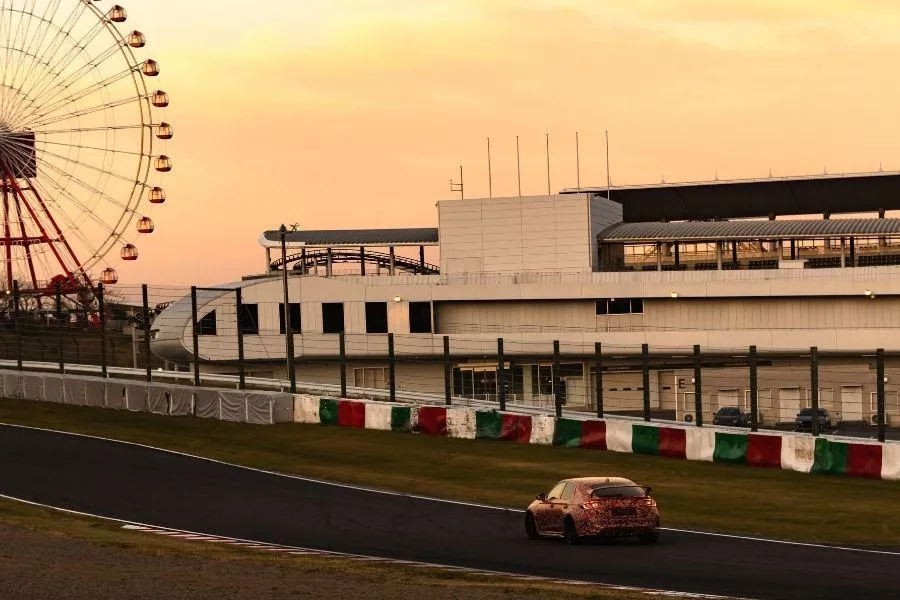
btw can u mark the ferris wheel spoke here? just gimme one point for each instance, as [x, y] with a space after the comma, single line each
[108, 229]
[39, 31]
[57, 67]
[52, 94]
[81, 94]
[85, 111]
[100, 170]
[21, 159]
[72, 226]
[43, 132]
[83, 147]
[59, 37]
[88, 187]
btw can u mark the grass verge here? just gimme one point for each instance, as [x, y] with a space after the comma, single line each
[142, 549]
[692, 495]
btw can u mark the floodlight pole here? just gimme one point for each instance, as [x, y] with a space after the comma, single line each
[288, 330]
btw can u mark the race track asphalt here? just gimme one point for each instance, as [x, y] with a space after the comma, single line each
[168, 490]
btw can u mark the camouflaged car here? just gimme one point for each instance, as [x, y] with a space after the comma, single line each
[594, 507]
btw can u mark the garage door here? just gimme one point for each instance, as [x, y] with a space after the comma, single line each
[788, 404]
[728, 398]
[851, 403]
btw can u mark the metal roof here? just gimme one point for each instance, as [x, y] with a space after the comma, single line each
[833, 194]
[748, 230]
[354, 237]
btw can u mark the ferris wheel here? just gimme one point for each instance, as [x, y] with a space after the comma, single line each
[79, 143]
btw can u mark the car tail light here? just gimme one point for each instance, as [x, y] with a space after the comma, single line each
[592, 505]
[649, 502]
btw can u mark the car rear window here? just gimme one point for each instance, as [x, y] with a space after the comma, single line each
[805, 412]
[629, 491]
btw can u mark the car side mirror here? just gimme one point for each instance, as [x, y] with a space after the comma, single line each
[542, 497]
[648, 489]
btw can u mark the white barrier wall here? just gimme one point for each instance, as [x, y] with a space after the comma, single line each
[542, 428]
[701, 444]
[53, 388]
[306, 409]
[618, 435]
[461, 423]
[797, 453]
[258, 407]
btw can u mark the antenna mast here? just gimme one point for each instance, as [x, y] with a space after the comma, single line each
[457, 186]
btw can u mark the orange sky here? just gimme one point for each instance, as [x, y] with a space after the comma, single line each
[356, 113]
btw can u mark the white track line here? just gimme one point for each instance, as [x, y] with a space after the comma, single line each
[438, 500]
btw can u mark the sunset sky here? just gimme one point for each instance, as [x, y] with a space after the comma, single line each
[356, 113]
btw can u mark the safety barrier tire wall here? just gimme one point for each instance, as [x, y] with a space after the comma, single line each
[778, 450]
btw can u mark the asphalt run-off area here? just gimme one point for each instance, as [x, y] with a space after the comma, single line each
[138, 484]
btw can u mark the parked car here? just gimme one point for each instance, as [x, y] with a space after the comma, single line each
[594, 506]
[803, 422]
[731, 415]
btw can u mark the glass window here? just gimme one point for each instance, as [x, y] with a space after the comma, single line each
[568, 493]
[295, 317]
[601, 307]
[629, 491]
[207, 325]
[248, 319]
[557, 491]
[420, 317]
[333, 317]
[376, 317]
[637, 306]
[620, 306]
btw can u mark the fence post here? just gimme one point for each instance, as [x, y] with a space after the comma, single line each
[392, 368]
[598, 367]
[879, 387]
[343, 349]
[145, 297]
[645, 373]
[195, 334]
[16, 307]
[698, 387]
[557, 380]
[754, 391]
[242, 375]
[59, 329]
[501, 375]
[814, 387]
[101, 302]
[448, 373]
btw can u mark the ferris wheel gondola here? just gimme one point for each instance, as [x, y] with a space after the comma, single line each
[79, 144]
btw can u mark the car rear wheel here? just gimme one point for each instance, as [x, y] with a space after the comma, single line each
[570, 534]
[531, 527]
[649, 538]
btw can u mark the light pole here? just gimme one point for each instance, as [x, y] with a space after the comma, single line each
[288, 329]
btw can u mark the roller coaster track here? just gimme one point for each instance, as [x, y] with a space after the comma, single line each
[309, 260]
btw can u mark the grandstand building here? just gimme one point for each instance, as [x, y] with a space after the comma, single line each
[779, 264]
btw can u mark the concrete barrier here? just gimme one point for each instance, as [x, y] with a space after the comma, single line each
[461, 423]
[53, 388]
[116, 394]
[73, 391]
[95, 393]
